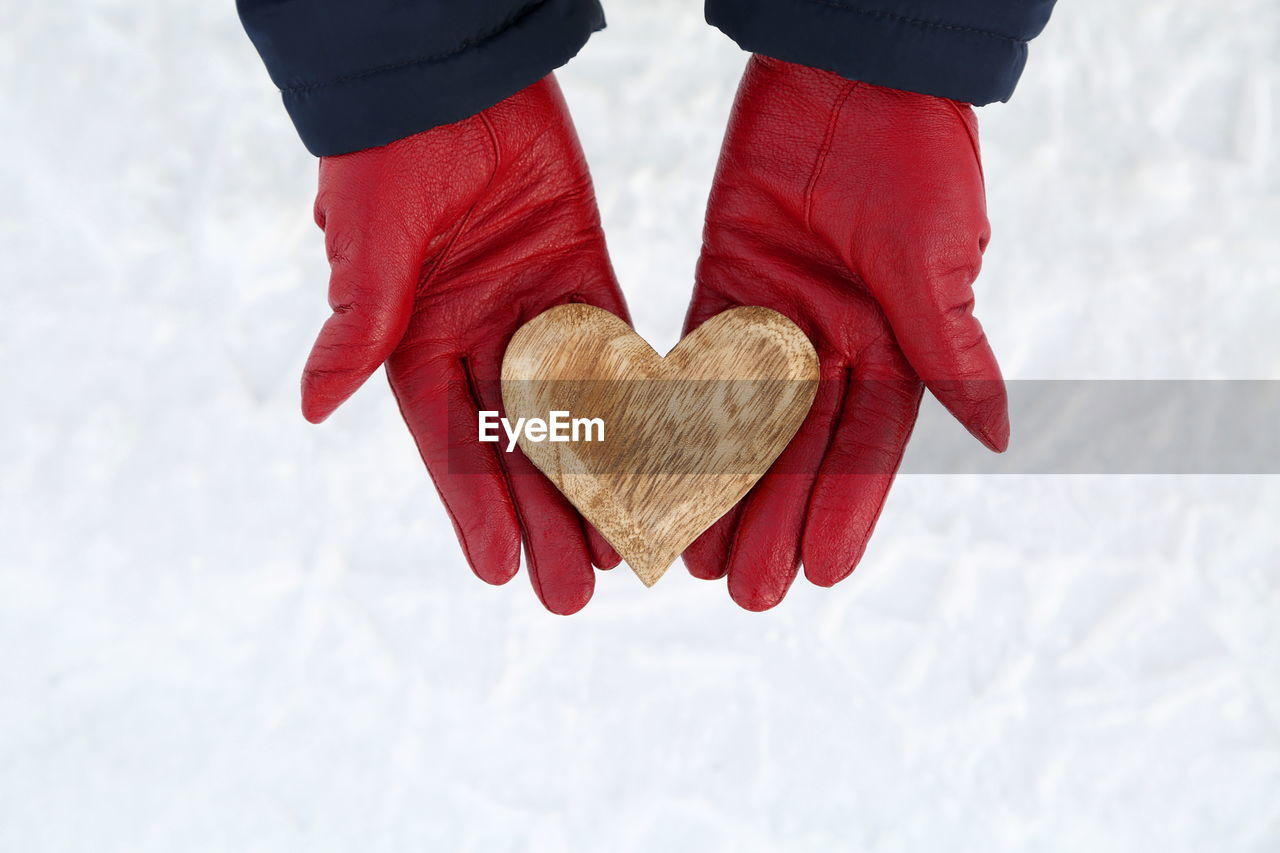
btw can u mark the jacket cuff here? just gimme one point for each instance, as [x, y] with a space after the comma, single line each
[370, 106]
[976, 63]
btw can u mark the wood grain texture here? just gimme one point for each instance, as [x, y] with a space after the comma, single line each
[685, 436]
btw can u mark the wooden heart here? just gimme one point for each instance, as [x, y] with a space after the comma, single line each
[666, 445]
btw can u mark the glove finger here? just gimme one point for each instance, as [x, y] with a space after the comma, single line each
[437, 403]
[765, 555]
[870, 437]
[557, 553]
[373, 273]
[556, 550]
[707, 557]
[933, 322]
[603, 555]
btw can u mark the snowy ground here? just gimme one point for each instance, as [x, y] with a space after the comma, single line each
[224, 629]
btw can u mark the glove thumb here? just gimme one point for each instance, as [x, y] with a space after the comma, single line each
[373, 271]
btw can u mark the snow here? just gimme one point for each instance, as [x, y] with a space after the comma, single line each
[222, 628]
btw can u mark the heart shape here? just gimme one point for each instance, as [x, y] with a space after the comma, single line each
[680, 440]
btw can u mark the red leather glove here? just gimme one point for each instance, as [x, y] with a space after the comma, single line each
[441, 245]
[858, 212]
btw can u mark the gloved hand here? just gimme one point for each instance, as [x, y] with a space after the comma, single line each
[441, 245]
[858, 212]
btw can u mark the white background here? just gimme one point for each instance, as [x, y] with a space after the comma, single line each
[222, 628]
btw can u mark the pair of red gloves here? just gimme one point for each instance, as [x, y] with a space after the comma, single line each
[855, 210]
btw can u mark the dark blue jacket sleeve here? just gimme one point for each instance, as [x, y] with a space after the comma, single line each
[360, 73]
[968, 50]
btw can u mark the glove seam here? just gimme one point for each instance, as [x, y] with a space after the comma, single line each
[916, 22]
[820, 164]
[432, 266]
[465, 45]
[496, 144]
[973, 139]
